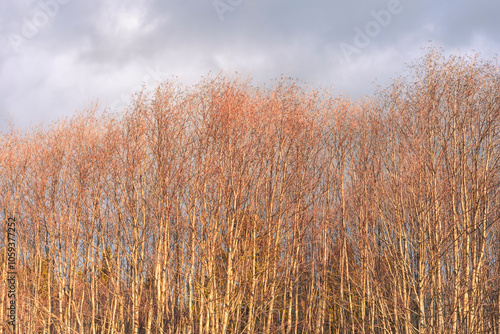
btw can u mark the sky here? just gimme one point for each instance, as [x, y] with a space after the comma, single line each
[59, 56]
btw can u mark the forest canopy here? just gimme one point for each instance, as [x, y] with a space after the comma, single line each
[226, 207]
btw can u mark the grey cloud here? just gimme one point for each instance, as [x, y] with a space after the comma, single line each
[106, 49]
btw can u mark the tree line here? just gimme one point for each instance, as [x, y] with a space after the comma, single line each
[227, 207]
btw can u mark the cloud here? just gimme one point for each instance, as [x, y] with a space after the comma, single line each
[105, 50]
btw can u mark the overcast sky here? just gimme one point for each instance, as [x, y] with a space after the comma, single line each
[57, 56]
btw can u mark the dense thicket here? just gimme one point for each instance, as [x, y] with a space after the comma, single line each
[231, 208]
